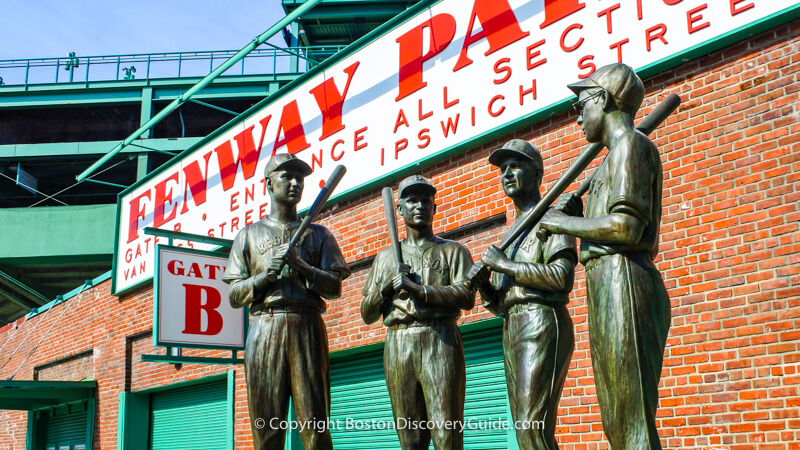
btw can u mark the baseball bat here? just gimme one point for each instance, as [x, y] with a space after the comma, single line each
[316, 207]
[532, 217]
[394, 236]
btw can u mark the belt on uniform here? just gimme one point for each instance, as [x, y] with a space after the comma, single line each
[424, 323]
[529, 305]
[269, 311]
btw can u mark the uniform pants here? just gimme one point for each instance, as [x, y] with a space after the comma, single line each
[425, 377]
[537, 344]
[629, 318]
[286, 354]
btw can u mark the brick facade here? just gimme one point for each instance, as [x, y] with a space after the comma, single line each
[730, 256]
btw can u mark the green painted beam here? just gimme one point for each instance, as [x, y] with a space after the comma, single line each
[345, 13]
[57, 231]
[90, 148]
[131, 92]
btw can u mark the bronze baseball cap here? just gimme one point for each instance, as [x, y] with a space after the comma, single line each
[416, 181]
[620, 81]
[285, 160]
[516, 147]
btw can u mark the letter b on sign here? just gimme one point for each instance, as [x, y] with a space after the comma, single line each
[202, 301]
[191, 301]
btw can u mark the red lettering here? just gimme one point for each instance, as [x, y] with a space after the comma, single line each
[555, 10]
[135, 212]
[529, 51]
[442, 29]
[175, 267]
[499, 26]
[571, 48]
[655, 32]
[452, 126]
[587, 64]
[234, 201]
[163, 198]
[472, 116]
[262, 210]
[316, 160]
[248, 217]
[672, 2]
[737, 10]
[422, 116]
[523, 92]
[247, 157]
[607, 12]
[333, 150]
[492, 112]
[423, 136]
[358, 136]
[249, 193]
[401, 120]
[400, 146]
[692, 17]
[447, 103]
[294, 137]
[196, 183]
[194, 271]
[498, 69]
[212, 271]
[195, 308]
[330, 102]
[639, 13]
[234, 224]
[618, 46]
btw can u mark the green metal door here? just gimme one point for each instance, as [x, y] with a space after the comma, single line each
[358, 394]
[192, 417]
[64, 427]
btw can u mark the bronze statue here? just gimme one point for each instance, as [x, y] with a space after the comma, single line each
[530, 289]
[424, 358]
[629, 309]
[286, 353]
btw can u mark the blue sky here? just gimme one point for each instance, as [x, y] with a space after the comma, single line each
[53, 28]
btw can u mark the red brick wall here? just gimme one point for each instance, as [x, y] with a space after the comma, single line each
[730, 255]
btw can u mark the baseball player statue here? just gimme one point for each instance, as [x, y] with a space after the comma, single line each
[529, 288]
[420, 303]
[286, 353]
[628, 305]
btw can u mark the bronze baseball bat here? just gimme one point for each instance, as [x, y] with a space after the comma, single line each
[316, 207]
[394, 236]
[532, 217]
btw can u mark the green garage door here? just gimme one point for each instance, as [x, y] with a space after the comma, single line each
[358, 393]
[63, 427]
[192, 417]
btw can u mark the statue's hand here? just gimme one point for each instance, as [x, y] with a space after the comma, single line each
[387, 290]
[496, 260]
[478, 275]
[402, 282]
[550, 223]
[570, 204]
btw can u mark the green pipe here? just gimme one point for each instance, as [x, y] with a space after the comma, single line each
[200, 85]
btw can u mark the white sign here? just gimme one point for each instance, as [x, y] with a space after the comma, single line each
[191, 301]
[443, 77]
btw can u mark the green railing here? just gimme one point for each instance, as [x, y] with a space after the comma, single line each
[87, 69]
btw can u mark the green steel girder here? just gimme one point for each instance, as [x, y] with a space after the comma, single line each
[57, 231]
[17, 151]
[131, 92]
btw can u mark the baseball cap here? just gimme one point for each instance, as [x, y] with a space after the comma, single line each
[620, 81]
[516, 147]
[284, 160]
[415, 181]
